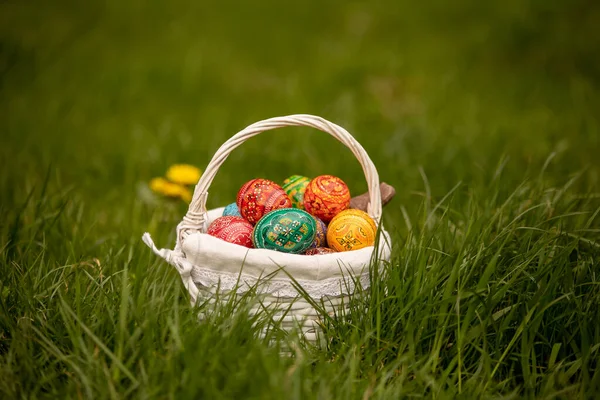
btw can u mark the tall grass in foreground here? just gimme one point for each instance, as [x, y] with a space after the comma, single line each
[491, 292]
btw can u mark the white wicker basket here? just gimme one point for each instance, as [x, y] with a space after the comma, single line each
[212, 268]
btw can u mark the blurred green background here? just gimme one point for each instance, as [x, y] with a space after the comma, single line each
[111, 93]
[98, 97]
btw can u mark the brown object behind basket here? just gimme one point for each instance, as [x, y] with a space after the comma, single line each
[360, 202]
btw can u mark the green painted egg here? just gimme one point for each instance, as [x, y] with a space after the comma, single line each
[295, 186]
[289, 230]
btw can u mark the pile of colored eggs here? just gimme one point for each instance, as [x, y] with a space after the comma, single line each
[302, 216]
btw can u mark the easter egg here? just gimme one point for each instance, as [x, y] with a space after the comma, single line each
[320, 235]
[295, 186]
[351, 230]
[316, 251]
[232, 229]
[325, 196]
[259, 197]
[289, 230]
[231, 209]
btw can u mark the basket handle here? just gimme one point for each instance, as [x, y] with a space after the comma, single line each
[196, 215]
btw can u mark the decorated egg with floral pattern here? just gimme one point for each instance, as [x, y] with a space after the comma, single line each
[317, 251]
[231, 210]
[351, 230]
[295, 186]
[289, 230]
[232, 229]
[320, 234]
[325, 196]
[259, 197]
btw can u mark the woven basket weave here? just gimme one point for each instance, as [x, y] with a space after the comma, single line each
[213, 270]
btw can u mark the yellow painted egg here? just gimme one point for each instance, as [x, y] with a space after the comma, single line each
[351, 230]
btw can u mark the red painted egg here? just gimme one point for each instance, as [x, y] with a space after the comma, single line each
[326, 196]
[232, 229]
[316, 251]
[259, 197]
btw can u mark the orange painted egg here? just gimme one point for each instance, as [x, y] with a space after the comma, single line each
[295, 186]
[259, 197]
[325, 196]
[232, 229]
[351, 230]
[319, 250]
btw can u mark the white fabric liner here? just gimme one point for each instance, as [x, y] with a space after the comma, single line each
[211, 263]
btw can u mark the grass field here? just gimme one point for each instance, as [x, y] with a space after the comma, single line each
[483, 115]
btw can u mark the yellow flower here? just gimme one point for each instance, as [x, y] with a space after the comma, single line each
[184, 174]
[170, 189]
[185, 195]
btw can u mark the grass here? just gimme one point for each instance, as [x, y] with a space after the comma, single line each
[482, 115]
